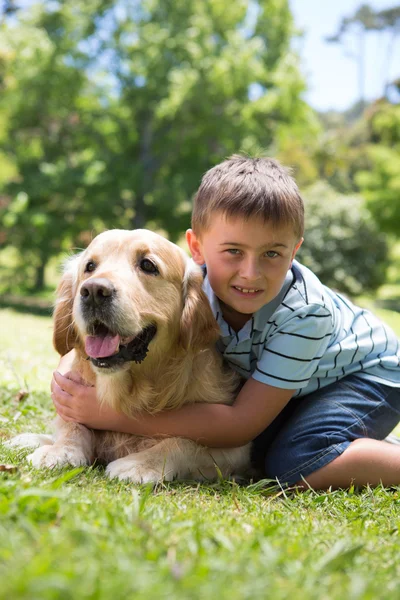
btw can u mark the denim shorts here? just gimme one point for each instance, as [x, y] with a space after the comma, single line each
[313, 430]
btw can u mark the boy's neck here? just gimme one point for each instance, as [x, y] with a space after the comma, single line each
[234, 319]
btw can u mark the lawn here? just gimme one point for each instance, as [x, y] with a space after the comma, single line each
[73, 534]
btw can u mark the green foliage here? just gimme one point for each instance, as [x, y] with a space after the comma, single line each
[360, 154]
[115, 109]
[111, 111]
[343, 245]
[380, 184]
[43, 208]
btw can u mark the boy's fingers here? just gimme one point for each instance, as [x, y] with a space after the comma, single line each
[53, 386]
[74, 376]
[67, 385]
[60, 395]
[62, 410]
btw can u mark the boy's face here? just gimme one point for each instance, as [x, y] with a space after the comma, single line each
[247, 262]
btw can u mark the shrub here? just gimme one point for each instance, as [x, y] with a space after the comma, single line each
[342, 244]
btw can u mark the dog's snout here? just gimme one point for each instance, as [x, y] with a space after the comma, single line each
[97, 291]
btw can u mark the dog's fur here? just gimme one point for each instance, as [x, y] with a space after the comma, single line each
[182, 365]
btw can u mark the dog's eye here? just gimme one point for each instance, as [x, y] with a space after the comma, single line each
[148, 266]
[90, 266]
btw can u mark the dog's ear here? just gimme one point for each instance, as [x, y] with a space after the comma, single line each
[198, 327]
[64, 334]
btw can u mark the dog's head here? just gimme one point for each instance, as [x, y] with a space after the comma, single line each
[129, 294]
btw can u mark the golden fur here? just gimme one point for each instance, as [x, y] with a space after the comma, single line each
[182, 365]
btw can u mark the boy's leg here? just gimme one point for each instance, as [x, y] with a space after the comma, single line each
[365, 461]
[330, 437]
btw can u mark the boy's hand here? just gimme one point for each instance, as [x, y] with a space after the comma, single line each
[75, 401]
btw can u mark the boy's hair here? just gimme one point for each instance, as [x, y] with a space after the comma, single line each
[249, 187]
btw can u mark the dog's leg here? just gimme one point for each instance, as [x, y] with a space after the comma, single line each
[177, 458]
[73, 446]
[210, 463]
[29, 440]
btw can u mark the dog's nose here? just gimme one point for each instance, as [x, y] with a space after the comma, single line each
[97, 291]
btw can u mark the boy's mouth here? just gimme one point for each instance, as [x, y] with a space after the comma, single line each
[247, 290]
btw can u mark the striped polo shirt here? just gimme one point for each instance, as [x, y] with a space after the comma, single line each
[308, 337]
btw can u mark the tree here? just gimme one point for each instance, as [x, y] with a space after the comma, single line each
[338, 227]
[123, 105]
[44, 100]
[389, 21]
[185, 71]
[380, 182]
[362, 22]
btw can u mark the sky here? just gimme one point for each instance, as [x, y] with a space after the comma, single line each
[331, 75]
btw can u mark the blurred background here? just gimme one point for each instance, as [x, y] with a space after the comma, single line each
[111, 111]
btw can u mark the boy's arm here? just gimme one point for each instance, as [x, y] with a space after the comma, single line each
[213, 425]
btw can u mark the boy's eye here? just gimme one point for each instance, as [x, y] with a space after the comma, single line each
[271, 254]
[233, 251]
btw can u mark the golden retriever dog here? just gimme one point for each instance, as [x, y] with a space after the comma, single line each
[132, 307]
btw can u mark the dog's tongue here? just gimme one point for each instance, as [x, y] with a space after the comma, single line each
[100, 346]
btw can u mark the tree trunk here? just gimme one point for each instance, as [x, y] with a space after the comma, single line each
[139, 220]
[388, 62]
[39, 276]
[361, 68]
[148, 168]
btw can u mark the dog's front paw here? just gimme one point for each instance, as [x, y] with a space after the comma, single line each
[140, 468]
[29, 440]
[57, 456]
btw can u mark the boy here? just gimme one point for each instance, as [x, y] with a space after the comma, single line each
[323, 376]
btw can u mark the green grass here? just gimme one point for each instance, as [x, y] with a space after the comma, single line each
[73, 534]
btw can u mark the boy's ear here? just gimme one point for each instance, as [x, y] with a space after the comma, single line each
[297, 247]
[195, 247]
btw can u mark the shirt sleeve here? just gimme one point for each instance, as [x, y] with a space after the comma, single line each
[292, 353]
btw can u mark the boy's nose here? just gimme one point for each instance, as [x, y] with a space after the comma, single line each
[250, 270]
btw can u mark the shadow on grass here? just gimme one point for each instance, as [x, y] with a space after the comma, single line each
[30, 305]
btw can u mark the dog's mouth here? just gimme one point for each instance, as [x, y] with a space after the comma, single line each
[107, 349]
